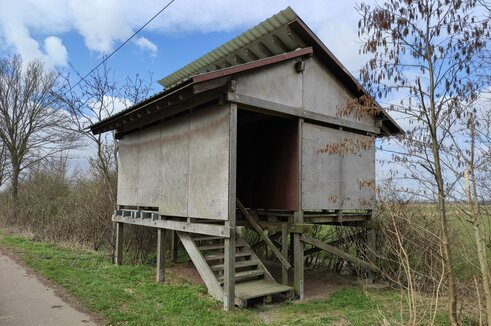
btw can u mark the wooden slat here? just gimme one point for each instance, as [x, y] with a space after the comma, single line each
[222, 256]
[240, 276]
[238, 264]
[216, 246]
[206, 238]
[258, 288]
[335, 251]
[263, 235]
[267, 274]
[201, 265]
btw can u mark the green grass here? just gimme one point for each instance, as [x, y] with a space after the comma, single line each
[128, 295]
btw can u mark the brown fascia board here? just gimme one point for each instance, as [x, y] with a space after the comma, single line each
[252, 65]
[337, 68]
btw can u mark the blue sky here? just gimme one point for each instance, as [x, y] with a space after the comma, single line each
[79, 32]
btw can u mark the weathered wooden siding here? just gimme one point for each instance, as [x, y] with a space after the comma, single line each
[128, 170]
[181, 166]
[279, 83]
[323, 93]
[333, 177]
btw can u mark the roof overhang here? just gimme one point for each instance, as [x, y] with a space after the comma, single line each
[282, 37]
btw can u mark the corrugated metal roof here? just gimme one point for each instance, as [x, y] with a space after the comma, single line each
[254, 44]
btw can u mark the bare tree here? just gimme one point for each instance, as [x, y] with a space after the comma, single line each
[32, 126]
[98, 97]
[425, 50]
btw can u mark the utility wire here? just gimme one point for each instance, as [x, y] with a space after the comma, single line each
[123, 44]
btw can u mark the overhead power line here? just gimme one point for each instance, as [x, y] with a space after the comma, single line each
[123, 44]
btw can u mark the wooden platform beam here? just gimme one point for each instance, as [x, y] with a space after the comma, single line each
[201, 228]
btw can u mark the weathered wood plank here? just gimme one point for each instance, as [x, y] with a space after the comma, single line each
[261, 242]
[335, 251]
[299, 112]
[284, 252]
[298, 246]
[229, 243]
[263, 235]
[201, 228]
[202, 267]
[259, 288]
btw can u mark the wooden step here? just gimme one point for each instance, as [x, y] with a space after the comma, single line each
[238, 264]
[259, 288]
[206, 238]
[217, 246]
[221, 256]
[242, 276]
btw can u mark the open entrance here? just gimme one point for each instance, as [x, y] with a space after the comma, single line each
[267, 161]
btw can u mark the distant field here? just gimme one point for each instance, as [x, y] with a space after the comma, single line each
[127, 295]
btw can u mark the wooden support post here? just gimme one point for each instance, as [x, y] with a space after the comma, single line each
[160, 272]
[229, 243]
[174, 246]
[298, 245]
[118, 252]
[284, 252]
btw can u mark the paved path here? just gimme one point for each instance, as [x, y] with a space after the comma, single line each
[25, 301]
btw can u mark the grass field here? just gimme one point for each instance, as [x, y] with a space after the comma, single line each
[127, 295]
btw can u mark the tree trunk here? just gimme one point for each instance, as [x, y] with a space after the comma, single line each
[447, 254]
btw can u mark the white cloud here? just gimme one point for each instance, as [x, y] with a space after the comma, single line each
[56, 53]
[145, 44]
[104, 24]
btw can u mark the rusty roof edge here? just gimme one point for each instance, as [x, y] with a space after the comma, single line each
[251, 65]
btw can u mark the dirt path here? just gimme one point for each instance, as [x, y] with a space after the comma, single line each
[26, 301]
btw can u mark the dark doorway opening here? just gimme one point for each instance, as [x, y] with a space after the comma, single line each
[267, 161]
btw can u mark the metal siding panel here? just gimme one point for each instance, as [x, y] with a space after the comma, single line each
[149, 168]
[174, 167]
[279, 83]
[209, 163]
[331, 180]
[128, 169]
[321, 178]
[323, 93]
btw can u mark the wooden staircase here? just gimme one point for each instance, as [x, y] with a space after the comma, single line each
[252, 279]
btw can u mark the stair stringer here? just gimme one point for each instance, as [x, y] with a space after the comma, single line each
[267, 274]
[204, 270]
